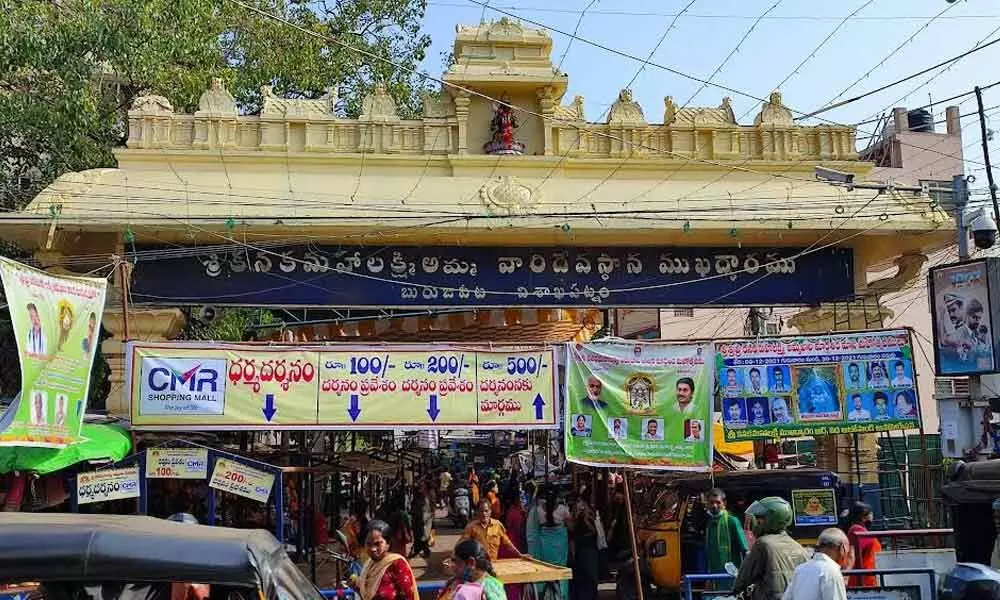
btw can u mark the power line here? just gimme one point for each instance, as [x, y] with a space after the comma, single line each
[816, 50]
[650, 63]
[892, 53]
[722, 16]
[953, 59]
[478, 94]
[942, 72]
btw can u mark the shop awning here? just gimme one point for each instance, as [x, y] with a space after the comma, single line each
[98, 443]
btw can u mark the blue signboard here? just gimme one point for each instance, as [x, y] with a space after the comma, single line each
[378, 277]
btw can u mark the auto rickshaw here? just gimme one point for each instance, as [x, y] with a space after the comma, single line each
[113, 557]
[671, 525]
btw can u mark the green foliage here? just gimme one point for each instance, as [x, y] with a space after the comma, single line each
[230, 326]
[70, 68]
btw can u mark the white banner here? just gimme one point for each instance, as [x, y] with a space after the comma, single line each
[237, 478]
[176, 463]
[110, 484]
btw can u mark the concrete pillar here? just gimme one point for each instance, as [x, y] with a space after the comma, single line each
[900, 122]
[953, 120]
[145, 324]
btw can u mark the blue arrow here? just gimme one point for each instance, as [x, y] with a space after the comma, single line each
[355, 410]
[269, 408]
[539, 404]
[432, 407]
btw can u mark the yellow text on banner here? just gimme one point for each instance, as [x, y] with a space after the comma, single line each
[242, 480]
[109, 484]
[176, 463]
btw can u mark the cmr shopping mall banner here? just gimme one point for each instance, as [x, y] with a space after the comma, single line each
[817, 385]
[204, 386]
[642, 404]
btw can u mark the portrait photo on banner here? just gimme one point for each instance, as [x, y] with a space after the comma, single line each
[641, 404]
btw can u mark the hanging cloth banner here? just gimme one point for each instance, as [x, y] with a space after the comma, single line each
[56, 323]
[774, 388]
[204, 386]
[647, 405]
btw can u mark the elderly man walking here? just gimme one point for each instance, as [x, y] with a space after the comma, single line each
[820, 578]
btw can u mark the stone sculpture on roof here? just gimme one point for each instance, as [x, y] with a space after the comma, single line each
[626, 111]
[775, 113]
[378, 106]
[216, 101]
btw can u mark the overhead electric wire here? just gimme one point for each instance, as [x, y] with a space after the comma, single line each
[677, 112]
[852, 15]
[478, 94]
[654, 64]
[882, 88]
[747, 17]
[607, 110]
[940, 73]
[885, 59]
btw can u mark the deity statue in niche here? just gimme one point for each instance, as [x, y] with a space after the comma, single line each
[502, 127]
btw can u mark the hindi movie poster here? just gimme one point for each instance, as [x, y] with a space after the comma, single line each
[963, 323]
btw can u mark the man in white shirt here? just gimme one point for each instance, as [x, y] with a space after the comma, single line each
[756, 386]
[820, 578]
[901, 380]
[858, 412]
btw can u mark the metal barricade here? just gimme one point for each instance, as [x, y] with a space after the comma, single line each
[688, 581]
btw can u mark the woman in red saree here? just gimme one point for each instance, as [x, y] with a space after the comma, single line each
[386, 576]
[516, 522]
[865, 548]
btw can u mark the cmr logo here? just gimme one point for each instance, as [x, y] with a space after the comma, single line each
[182, 386]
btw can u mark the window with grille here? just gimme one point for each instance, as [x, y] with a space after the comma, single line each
[683, 312]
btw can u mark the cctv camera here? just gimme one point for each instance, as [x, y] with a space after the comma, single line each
[984, 229]
[834, 176]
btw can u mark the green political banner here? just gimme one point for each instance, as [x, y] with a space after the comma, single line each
[56, 322]
[641, 404]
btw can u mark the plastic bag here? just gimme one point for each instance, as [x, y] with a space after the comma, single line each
[602, 540]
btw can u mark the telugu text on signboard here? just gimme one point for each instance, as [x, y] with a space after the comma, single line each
[817, 385]
[639, 404]
[176, 463]
[108, 484]
[237, 478]
[179, 386]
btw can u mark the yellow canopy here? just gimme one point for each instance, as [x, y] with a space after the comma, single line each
[729, 447]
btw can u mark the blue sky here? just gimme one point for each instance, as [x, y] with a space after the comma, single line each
[702, 38]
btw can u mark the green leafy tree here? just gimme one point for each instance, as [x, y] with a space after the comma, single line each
[70, 68]
[231, 325]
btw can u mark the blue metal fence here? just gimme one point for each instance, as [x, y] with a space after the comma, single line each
[688, 581]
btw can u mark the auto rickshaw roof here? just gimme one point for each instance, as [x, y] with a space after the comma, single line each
[756, 480]
[973, 483]
[116, 548]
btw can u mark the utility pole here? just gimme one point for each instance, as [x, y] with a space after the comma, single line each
[986, 155]
[960, 198]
